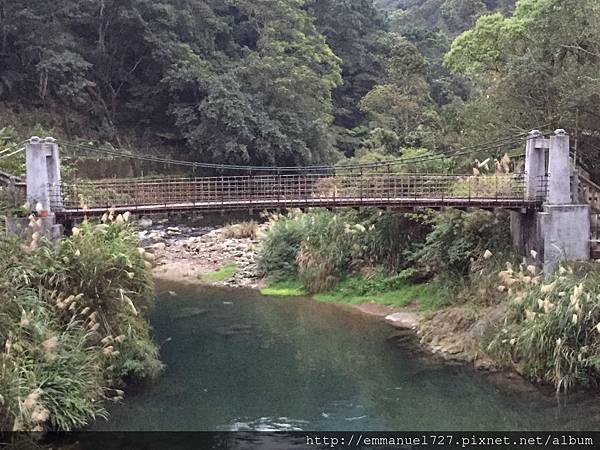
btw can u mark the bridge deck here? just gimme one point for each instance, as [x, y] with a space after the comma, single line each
[482, 203]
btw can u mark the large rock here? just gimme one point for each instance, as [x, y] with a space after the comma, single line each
[144, 222]
[403, 320]
[159, 246]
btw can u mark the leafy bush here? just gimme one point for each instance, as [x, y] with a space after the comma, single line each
[50, 371]
[321, 247]
[277, 256]
[392, 239]
[552, 331]
[316, 247]
[461, 238]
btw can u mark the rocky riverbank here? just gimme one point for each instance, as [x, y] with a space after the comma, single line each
[193, 254]
[452, 334]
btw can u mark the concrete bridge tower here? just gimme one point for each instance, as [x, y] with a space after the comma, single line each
[562, 230]
[43, 189]
[43, 173]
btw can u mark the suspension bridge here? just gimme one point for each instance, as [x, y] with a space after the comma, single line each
[549, 212]
[378, 184]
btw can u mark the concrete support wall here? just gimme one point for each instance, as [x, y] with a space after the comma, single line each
[54, 178]
[566, 235]
[24, 229]
[527, 230]
[37, 174]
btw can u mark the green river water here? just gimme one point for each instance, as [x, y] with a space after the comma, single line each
[239, 361]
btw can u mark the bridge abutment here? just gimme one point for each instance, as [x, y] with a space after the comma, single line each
[526, 228]
[566, 235]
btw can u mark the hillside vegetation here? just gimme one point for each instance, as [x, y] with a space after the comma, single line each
[297, 82]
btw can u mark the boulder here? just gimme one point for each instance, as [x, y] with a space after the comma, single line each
[144, 222]
[403, 320]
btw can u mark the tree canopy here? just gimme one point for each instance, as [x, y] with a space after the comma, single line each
[536, 68]
[295, 82]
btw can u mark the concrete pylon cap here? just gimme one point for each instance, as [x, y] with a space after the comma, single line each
[35, 140]
[560, 132]
[535, 133]
[49, 140]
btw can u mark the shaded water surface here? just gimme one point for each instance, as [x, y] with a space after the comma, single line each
[239, 361]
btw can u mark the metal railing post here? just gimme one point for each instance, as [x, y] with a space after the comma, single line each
[250, 186]
[222, 191]
[388, 183]
[279, 187]
[469, 185]
[334, 187]
[496, 188]
[361, 185]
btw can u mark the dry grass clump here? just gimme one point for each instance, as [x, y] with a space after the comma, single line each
[244, 230]
[552, 332]
[70, 324]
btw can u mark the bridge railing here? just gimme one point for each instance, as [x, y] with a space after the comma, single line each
[289, 190]
[12, 189]
[589, 192]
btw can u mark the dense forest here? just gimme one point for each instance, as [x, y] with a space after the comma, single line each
[302, 81]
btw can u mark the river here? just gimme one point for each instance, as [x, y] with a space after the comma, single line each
[237, 360]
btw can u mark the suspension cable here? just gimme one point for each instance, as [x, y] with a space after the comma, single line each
[401, 161]
[3, 157]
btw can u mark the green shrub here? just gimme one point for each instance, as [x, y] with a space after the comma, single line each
[49, 371]
[322, 247]
[326, 252]
[552, 332]
[393, 238]
[277, 256]
[316, 247]
[459, 239]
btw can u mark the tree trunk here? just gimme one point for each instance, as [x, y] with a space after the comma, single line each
[3, 27]
[101, 29]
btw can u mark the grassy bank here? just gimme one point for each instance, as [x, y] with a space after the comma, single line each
[72, 331]
[223, 274]
[351, 291]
